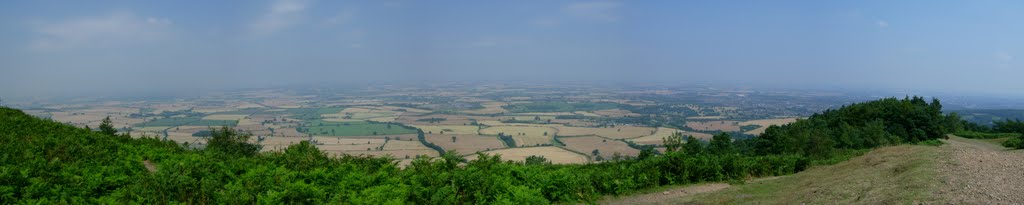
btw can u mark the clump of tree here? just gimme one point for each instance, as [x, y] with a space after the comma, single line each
[231, 142]
[859, 126]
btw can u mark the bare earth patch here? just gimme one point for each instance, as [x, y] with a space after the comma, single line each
[977, 172]
[665, 197]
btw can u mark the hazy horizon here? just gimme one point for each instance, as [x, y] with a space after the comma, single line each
[949, 47]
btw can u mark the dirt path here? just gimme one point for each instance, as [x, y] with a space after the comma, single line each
[666, 195]
[978, 172]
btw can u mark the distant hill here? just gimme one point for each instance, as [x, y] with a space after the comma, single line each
[987, 116]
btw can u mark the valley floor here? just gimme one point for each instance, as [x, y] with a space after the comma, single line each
[962, 171]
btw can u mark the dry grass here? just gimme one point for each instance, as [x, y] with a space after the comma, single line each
[554, 154]
[606, 147]
[466, 144]
[617, 132]
[890, 175]
[524, 135]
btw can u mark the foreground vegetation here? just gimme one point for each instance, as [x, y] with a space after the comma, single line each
[45, 161]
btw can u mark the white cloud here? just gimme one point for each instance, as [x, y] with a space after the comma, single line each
[600, 11]
[1003, 56]
[282, 14]
[118, 28]
[883, 24]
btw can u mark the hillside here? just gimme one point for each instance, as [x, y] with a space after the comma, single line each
[961, 171]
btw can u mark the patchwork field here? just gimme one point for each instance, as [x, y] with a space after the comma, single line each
[606, 148]
[554, 154]
[465, 144]
[186, 121]
[355, 128]
[449, 129]
[718, 125]
[765, 124]
[434, 119]
[663, 132]
[524, 135]
[617, 132]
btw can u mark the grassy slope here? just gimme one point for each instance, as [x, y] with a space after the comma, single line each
[890, 175]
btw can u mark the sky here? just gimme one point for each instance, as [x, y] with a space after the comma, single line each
[75, 47]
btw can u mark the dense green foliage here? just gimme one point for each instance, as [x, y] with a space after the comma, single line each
[1013, 129]
[858, 126]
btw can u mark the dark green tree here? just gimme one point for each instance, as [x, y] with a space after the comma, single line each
[107, 127]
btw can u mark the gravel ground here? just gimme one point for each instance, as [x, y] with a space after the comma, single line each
[977, 172]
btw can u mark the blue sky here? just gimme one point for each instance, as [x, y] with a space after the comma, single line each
[61, 47]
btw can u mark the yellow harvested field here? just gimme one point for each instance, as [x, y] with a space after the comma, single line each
[554, 154]
[544, 113]
[382, 119]
[489, 108]
[719, 125]
[616, 113]
[465, 144]
[524, 135]
[150, 129]
[224, 117]
[449, 129]
[405, 145]
[588, 114]
[765, 124]
[663, 132]
[705, 117]
[617, 132]
[606, 147]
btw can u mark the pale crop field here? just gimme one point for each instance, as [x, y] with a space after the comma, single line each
[616, 113]
[606, 147]
[465, 144]
[524, 135]
[617, 132]
[718, 125]
[489, 108]
[449, 129]
[556, 155]
[765, 124]
[224, 117]
[663, 132]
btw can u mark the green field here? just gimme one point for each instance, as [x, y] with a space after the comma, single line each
[354, 128]
[559, 107]
[186, 121]
[311, 113]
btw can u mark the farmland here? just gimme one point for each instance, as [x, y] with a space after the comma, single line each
[465, 144]
[599, 146]
[523, 135]
[366, 122]
[618, 132]
[554, 154]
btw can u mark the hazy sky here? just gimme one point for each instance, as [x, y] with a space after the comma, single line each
[57, 47]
